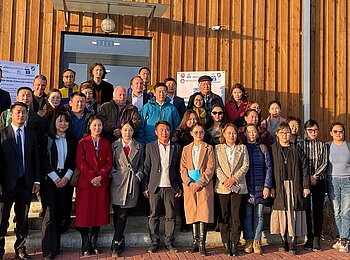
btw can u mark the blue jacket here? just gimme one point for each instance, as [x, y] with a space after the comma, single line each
[151, 113]
[259, 174]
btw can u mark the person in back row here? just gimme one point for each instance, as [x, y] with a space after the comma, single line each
[155, 110]
[69, 86]
[103, 90]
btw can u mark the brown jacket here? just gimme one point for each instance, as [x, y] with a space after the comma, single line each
[199, 206]
[240, 168]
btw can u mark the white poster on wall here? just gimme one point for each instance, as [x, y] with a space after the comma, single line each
[187, 83]
[17, 74]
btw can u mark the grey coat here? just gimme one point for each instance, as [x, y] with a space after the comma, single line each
[126, 174]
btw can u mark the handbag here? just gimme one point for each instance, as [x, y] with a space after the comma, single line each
[75, 177]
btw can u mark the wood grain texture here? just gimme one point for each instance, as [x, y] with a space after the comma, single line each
[260, 46]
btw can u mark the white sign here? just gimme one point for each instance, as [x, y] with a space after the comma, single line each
[187, 83]
[17, 74]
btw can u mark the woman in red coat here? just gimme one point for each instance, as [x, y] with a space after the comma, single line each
[237, 104]
[94, 159]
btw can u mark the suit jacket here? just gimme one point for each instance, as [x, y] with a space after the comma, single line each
[5, 100]
[50, 164]
[179, 103]
[152, 167]
[126, 174]
[240, 166]
[9, 158]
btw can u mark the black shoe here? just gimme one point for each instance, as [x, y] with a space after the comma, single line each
[93, 244]
[293, 246]
[316, 247]
[284, 245]
[171, 248]
[234, 249]
[48, 257]
[22, 255]
[153, 248]
[227, 247]
[309, 243]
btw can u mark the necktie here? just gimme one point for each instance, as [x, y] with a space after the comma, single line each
[20, 153]
[127, 150]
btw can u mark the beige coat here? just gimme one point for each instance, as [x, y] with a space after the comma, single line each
[240, 168]
[199, 206]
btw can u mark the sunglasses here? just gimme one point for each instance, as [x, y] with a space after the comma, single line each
[217, 113]
[338, 132]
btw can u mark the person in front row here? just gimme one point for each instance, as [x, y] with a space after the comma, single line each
[126, 174]
[94, 160]
[19, 176]
[161, 184]
[58, 166]
[232, 164]
[197, 170]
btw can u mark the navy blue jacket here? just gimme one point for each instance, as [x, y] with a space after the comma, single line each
[259, 175]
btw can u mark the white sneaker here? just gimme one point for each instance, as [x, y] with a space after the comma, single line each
[337, 244]
[344, 247]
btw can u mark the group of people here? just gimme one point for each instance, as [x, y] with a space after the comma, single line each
[218, 160]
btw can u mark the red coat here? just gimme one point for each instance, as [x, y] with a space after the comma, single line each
[92, 203]
[232, 113]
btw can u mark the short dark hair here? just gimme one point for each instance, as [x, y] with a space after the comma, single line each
[15, 104]
[310, 123]
[132, 79]
[293, 118]
[70, 71]
[95, 65]
[336, 123]
[77, 93]
[274, 102]
[162, 122]
[24, 88]
[40, 76]
[169, 79]
[85, 85]
[160, 84]
[144, 68]
[281, 126]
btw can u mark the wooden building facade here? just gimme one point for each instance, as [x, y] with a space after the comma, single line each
[260, 45]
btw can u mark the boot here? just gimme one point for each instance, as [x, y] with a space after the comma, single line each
[284, 245]
[316, 245]
[309, 242]
[293, 246]
[93, 242]
[234, 249]
[202, 238]
[85, 245]
[117, 248]
[195, 234]
[248, 248]
[256, 247]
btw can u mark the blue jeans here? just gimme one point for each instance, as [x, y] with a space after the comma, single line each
[253, 221]
[339, 195]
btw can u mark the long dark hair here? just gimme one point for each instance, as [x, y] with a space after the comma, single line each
[49, 109]
[91, 119]
[66, 116]
[183, 124]
[244, 93]
[210, 122]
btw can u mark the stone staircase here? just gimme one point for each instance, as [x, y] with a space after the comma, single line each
[136, 233]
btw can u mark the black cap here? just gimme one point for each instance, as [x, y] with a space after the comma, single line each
[204, 78]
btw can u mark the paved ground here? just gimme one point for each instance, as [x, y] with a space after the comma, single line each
[270, 252]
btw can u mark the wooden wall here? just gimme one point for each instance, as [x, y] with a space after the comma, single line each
[330, 63]
[259, 46]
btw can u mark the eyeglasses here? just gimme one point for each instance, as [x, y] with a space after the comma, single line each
[217, 113]
[312, 131]
[338, 132]
[198, 132]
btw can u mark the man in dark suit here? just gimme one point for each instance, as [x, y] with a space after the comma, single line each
[19, 176]
[138, 97]
[5, 100]
[161, 184]
[177, 101]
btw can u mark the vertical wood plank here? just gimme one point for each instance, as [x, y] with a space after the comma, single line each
[176, 50]
[225, 49]
[188, 35]
[164, 51]
[201, 36]
[212, 52]
[6, 34]
[247, 62]
[236, 41]
[33, 32]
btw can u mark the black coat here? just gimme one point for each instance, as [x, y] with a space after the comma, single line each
[5, 100]
[179, 103]
[299, 173]
[9, 159]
